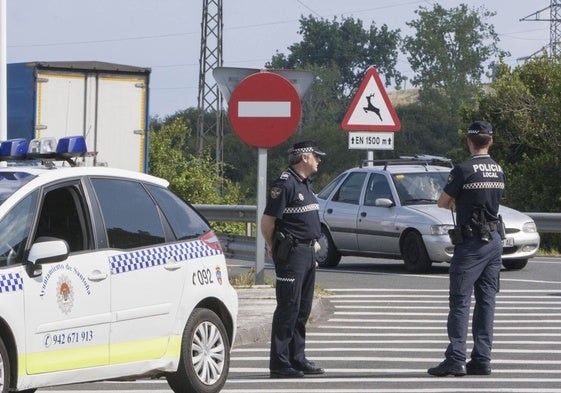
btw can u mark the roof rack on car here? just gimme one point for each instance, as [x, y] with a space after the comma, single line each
[422, 159]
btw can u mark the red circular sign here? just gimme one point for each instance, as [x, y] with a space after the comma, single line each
[264, 109]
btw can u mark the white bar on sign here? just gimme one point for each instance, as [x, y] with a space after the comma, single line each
[264, 109]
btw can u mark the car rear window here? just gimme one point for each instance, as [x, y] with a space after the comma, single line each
[183, 219]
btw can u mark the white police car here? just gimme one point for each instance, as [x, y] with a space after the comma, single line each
[106, 274]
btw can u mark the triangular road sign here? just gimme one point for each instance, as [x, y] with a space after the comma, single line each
[371, 109]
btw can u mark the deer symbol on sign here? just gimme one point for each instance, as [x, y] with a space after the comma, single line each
[370, 107]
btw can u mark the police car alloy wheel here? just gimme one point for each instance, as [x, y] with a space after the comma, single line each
[205, 355]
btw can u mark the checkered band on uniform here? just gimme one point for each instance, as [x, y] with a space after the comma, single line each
[483, 184]
[302, 150]
[301, 209]
[11, 282]
[142, 259]
[286, 279]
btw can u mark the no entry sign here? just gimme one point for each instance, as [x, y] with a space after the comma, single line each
[264, 109]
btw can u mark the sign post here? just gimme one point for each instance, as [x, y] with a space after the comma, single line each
[264, 110]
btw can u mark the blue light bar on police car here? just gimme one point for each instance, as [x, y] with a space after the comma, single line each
[71, 146]
[13, 149]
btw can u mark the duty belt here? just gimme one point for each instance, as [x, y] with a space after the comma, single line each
[304, 242]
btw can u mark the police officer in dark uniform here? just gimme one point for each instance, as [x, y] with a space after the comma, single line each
[291, 226]
[474, 190]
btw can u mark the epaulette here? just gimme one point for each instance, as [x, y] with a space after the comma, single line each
[284, 176]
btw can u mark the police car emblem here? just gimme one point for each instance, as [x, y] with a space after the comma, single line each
[64, 294]
[300, 196]
[219, 275]
[275, 192]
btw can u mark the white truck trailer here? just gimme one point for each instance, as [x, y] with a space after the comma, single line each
[106, 103]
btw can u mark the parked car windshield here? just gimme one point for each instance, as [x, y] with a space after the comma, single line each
[419, 188]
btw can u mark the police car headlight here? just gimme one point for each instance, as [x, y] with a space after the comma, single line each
[529, 227]
[440, 229]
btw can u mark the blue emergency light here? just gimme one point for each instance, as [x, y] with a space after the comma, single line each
[13, 149]
[43, 149]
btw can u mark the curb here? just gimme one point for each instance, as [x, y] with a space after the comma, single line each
[255, 315]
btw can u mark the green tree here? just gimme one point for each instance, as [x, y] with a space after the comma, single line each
[523, 106]
[193, 177]
[344, 46]
[449, 49]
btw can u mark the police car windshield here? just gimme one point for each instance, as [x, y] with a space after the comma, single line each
[419, 188]
[10, 182]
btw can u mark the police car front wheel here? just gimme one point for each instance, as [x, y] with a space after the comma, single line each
[205, 355]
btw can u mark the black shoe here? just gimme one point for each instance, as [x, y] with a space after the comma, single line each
[445, 368]
[286, 373]
[309, 368]
[473, 368]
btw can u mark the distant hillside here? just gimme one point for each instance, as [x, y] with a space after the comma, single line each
[403, 97]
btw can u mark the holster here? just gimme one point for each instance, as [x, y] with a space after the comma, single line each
[282, 246]
[456, 236]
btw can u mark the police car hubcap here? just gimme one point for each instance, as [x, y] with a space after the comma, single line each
[208, 352]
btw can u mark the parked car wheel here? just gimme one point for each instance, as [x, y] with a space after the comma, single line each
[514, 264]
[205, 355]
[415, 254]
[327, 256]
[4, 368]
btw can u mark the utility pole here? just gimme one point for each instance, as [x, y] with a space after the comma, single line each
[554, 20]
[210, 130]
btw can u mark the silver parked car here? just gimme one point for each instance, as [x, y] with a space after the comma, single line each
[387, 209]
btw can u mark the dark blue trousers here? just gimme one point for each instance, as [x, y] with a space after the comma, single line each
[295, 292]
[474, 268]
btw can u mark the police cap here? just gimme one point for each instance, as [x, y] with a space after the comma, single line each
[480, 128]
[306, 147]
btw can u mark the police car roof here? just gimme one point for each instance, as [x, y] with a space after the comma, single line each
[64, 172]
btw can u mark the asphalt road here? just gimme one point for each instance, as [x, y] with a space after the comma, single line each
[384, 327]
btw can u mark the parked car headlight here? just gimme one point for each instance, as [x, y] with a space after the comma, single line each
[440, 229]
[529, 227]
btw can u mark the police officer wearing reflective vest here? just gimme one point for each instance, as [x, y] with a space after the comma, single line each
[474, 190]
[291, 227]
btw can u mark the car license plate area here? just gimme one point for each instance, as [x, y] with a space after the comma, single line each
[508, 242]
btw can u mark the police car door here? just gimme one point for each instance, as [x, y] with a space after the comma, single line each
[146, 286]
[376, 230]
[67, 306]
[341, 211]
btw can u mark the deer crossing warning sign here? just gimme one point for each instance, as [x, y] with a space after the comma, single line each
[371, 109]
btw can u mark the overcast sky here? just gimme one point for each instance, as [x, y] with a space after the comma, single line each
[165, 35]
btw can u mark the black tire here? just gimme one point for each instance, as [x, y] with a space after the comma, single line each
[4, 368]
[205, 355]
[415, 254]
[327, 256]
[515, 264]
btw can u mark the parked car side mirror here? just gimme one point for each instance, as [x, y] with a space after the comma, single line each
[384, 202]
[45, 250]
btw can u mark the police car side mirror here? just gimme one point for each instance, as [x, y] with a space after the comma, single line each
[45, 250]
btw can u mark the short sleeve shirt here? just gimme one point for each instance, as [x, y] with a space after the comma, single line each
[476, 184]
[292, 201]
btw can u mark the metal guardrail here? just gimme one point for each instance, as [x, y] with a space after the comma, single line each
[243, 247]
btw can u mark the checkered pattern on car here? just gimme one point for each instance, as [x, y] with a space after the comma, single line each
[11, 282]
[150, 257]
